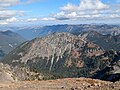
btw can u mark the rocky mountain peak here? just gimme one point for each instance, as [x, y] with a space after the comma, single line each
[58, 50]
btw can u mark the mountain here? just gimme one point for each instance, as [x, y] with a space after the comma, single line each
[56, 56]
[40, 31]
[8, 41]
[29, 32]
[107, 42]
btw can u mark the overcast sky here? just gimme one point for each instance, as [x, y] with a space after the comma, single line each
[59, 11]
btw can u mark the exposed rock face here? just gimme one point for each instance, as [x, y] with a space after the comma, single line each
[58, 55]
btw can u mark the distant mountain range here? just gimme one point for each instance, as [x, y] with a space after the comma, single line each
[39, 31]
[107, 42]
[8, 41]
[61, 55]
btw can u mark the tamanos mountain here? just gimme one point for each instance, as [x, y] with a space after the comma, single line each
[62, 55]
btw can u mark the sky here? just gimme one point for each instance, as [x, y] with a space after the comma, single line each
[59, 11]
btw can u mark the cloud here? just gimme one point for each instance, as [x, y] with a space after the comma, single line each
[70, 7]
[32, 19]
[88, 10]
[13, 19]
[4, 4]
[10, 20]
[8, 3]
[10, 13]
[47, 19]
[7, 15]
[85, 5]
[39, 19]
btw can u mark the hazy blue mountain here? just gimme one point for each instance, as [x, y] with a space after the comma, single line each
[39, 31]
[8, 41]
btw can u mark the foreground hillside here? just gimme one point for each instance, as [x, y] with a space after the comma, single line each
[62, 84]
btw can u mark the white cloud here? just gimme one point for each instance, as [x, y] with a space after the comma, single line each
[85, 5]
[88, 9]
[10, 13]
[7, 15]
[7, 3]
[85, 10]
[13, 19]
[39, 19]
[32, 19]
[47, 19]
[92, 4]
[10, 20]
[3, 22]
[115, 16]
[70, 7]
